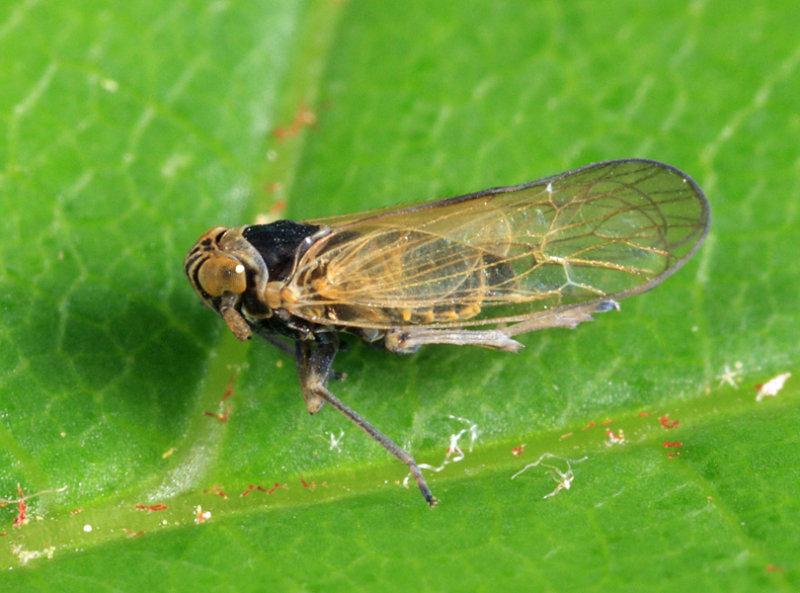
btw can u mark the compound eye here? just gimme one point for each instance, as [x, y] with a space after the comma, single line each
[220, 275]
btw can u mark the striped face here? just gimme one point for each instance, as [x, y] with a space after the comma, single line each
[221, 267]
[212, 272]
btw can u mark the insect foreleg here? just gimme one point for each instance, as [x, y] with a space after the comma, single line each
[313, 368]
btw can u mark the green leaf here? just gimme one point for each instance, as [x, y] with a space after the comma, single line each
[127, 130]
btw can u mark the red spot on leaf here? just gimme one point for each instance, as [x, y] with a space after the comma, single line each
[152, 507]
[665, 422]
[280, 205]
[22, 516]
[221, 417]
[275, 486]
[215, 490]
[304, 117]
[773, 568]
[229, 388]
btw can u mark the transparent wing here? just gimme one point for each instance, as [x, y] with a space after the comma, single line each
[608, 230]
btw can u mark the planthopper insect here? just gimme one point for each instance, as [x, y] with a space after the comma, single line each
[476, 269]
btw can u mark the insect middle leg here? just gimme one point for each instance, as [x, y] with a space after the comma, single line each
[313, 368]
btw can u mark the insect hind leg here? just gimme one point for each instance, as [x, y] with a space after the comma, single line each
[566, 316]
[408, 339]
[314, 368]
